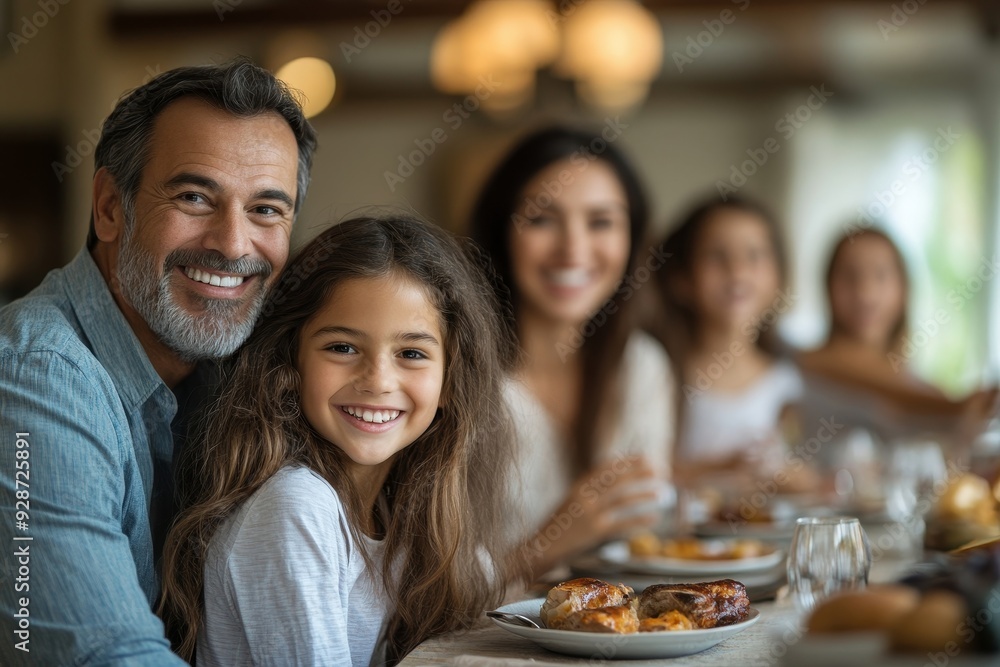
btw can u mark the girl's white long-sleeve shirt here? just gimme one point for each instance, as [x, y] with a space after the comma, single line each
[285, 583]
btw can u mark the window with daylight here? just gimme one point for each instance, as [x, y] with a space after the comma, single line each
[916, 168]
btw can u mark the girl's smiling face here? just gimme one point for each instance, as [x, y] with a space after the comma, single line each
[371, 363]
[734, 270]
[867, 290]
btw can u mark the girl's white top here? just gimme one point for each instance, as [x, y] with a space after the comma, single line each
[717, 425]
[286, 585]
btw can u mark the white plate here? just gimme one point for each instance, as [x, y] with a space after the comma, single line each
[620, 554]
[766, 531]
[836, 650]
[868, 648]
[641, 645]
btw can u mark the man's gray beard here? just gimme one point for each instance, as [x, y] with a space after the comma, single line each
[215, 333]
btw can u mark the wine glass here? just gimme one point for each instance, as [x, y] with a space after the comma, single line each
[916, 470]
[828, 554]
[854, 463]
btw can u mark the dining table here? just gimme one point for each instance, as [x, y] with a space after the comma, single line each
[777, 638]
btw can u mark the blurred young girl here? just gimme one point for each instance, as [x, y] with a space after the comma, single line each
[724, 292]
[862, 372]
[352, 473]
[563, 217]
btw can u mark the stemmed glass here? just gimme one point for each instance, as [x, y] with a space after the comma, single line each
[828, 554]
[855, 465]
[916, 470]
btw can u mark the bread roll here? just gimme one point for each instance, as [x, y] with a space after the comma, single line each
[931, 625]
[874, 609]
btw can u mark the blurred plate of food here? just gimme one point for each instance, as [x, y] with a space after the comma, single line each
[688, 556]
[751, 518]
[773, 532]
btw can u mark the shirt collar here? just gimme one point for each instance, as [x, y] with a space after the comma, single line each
[111, 338]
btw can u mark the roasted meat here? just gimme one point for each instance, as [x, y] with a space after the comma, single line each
[708, 605]
[579, 594]
[592, 605]
[668, 620]
[620, 619]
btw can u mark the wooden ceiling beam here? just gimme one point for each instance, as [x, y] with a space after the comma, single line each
[231, 14]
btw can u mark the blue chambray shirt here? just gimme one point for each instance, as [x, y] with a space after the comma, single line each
[74, 377]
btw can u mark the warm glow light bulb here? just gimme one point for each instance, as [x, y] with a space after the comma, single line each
[502, 41]
[517, 34]
[612, 39]
[314, 78]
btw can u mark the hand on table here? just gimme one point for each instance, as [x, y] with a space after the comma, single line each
[611, 499]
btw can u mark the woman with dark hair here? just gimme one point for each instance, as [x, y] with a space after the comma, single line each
[862, 369]
[563, 217]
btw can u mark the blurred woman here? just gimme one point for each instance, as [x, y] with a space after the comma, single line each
[563, 219]
[862, 372]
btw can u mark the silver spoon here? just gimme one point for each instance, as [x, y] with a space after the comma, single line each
[517, 619]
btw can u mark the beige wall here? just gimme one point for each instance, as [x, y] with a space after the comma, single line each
[681, 146]
[70, 74]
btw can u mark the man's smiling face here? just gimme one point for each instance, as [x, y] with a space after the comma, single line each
[210, 228]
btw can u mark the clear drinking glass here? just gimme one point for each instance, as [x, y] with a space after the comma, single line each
[828, 554]
[916, 469]
[919, 464]
[855, 466]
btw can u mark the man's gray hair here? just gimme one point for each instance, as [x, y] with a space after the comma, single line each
[239, 87]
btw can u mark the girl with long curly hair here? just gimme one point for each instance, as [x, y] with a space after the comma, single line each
[350, 478]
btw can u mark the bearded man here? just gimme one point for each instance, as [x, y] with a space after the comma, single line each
[199, 175]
